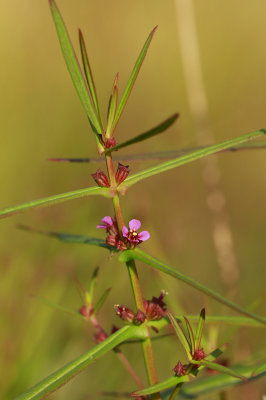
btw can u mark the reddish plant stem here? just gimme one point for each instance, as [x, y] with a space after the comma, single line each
[135, 283]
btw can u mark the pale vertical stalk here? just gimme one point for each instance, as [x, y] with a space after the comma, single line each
[216, 202]
[135, 283]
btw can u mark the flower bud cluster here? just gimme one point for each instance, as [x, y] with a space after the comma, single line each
[113, 237]
[154, 310]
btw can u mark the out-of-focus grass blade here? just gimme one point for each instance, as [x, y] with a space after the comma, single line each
[58, 307]
[217, 382]
[200, 328]
[112, 107]
[58, 198]
[177, 162]
[89, 77]
[73, 65]
[220, 368]
[64, 374]
[180, 335]
[132, 78]
[70, 238]
[101, 301]
[146, 135]
[237, 321]
[90, 293]
[140, 255]
[168, 383]
[217, 352]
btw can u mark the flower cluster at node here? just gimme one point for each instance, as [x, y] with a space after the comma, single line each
[154, 310]
[102, 180]
[180, 369]
[131, 238]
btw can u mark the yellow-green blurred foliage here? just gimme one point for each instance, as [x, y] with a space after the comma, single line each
[41, 117]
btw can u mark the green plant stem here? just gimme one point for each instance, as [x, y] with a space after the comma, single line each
[175, 391]
[135, 283]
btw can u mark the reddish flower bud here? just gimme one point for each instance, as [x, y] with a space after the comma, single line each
[180, 369]
[100, 336]
[111, 240]
[155, 308]
[139, 317]
[121, 173]
[199, 355]
[114, 329]
[121, 245]
[110, 143]
[84, 311]
[100, 178]
[124, 313]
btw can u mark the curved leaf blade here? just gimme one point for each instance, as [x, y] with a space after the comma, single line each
[187, 158]
[70, 238]
[73, 65]
[140, 255]
[146, 135]
[55, 199]
[220, 368]
[89, 77]
[133, 78]
[168, 383]
[64, 374]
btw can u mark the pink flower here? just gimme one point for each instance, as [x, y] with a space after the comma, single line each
[131, 234]
[107, 223]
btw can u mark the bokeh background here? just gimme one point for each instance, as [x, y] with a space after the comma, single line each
[41, 117]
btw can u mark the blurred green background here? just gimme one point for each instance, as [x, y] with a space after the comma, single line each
[41, 117]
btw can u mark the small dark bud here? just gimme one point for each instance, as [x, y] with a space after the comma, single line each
[199, 355]
[121, 173]
[100, 178]
[139, 317]
[99, 337]
[114, 329]
[110, 143]
[124, 313]
[180, 369]
[121, 245]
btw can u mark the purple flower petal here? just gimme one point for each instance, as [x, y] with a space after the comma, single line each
[134, 224]
[107, 220]
[125, 231]
[101, 226]
[144, 235]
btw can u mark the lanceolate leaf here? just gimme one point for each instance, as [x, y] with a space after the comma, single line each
[177, 162]
[140, 255]
[58, 198]
[159, 155]
[70, 238]
[146, 135]
[59, 307]
[73, 65]
[64, 374]
[214, 383]
[200, 328]
[89, 295]
[168, 383]
[89, 77]
[180, 335]
[101, 301]
[220, 368]
[132, 78]
[112, 107]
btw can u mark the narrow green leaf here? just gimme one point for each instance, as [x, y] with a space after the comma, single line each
[214, 383]
[64, 374]
[58, 198]
[58, 307]
[217, 352]
[101, 301]
[73, 65]
[70, 238]
[180, 335]
[132, 78]
[187, 158]
[191, 335]
[140, 255]
[200, 328]
[220, 368]
[168, 383]
[89, 77]
[158, 155]
[146, 135]
[112, 107]
[90, 293]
